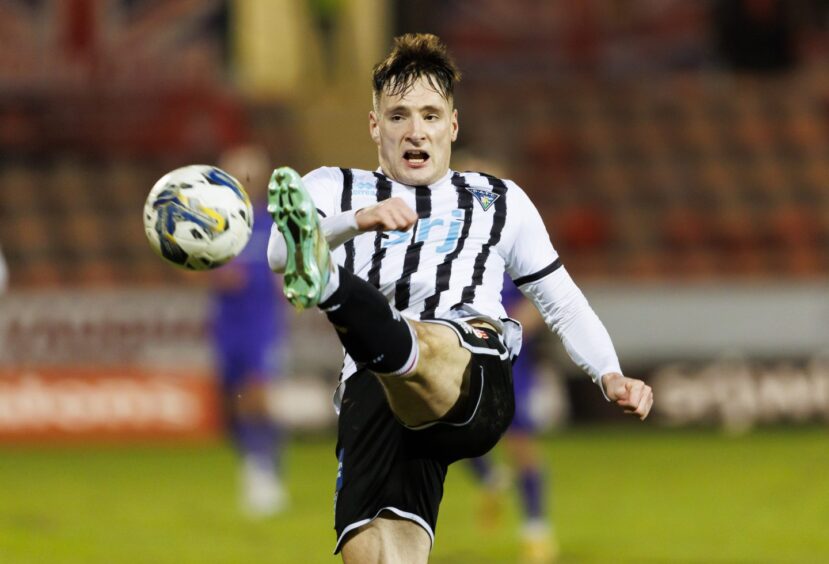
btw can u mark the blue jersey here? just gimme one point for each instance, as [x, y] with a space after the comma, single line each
[251, 316]
[523, 369]
[511, 296]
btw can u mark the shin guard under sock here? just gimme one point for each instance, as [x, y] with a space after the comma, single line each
[372, 332]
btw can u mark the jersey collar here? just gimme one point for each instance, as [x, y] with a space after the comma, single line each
[442, 180]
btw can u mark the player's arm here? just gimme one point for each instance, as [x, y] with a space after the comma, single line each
[538, 272]
[567, 312]
[340, 227]
[389, 215]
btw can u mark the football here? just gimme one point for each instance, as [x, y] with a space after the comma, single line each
[198, 217]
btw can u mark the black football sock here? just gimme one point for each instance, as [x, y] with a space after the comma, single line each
[372, 332]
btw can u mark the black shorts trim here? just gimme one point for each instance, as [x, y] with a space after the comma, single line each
[400, 513]
[465, 333]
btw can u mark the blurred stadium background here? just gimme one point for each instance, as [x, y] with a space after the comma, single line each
[678, 151]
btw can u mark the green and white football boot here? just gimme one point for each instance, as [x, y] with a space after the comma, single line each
[309, 262]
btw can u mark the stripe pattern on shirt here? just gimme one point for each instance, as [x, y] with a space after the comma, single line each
[345, 205]
[402, 288]
[384, 188]
[443, 273]
[449, 258]
[499, 188]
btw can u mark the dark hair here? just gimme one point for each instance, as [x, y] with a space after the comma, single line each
[413, 56]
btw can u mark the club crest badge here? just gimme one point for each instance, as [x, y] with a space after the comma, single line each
[485, 197]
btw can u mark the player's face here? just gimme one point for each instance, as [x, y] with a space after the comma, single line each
[414, 134]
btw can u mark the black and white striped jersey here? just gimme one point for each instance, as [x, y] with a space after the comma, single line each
[471, 227]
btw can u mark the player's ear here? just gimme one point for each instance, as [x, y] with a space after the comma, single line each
[454, 124]
[373, 127]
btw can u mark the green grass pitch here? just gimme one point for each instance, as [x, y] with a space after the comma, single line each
[620, 495]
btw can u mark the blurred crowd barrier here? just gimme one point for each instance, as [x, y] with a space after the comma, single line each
[730, 354]
[132, 363]
[79, 364]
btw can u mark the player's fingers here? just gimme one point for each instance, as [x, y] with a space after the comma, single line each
[402, 211]
[410, 214]
[633, 389]
[374, 217]
[402, 208]
[397, 220]
[405, 217]
[388, 220]
[643, 405]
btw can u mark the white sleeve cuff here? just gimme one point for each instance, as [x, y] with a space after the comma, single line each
[340, 228]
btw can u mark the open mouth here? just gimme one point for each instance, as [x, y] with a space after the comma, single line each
[416, 157]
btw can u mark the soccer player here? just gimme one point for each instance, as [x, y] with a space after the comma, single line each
[412, 286]
[521, 446]
[247, 326]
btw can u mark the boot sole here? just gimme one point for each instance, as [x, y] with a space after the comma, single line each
[295, 216]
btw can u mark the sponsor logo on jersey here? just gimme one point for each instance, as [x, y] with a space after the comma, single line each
[485, 197]
[443, 232]
[364, 189]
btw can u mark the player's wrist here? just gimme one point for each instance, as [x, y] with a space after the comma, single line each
[339, 228]
[607, 379]
[363, 220]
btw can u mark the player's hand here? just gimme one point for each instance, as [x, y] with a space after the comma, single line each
[632, 394]
[389, 215]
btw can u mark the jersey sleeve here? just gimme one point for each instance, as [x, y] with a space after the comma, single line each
[528, 254]
[325, 185]
[566, 311]
[535, 267]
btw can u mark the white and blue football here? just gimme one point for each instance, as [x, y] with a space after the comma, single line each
[198, 217]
